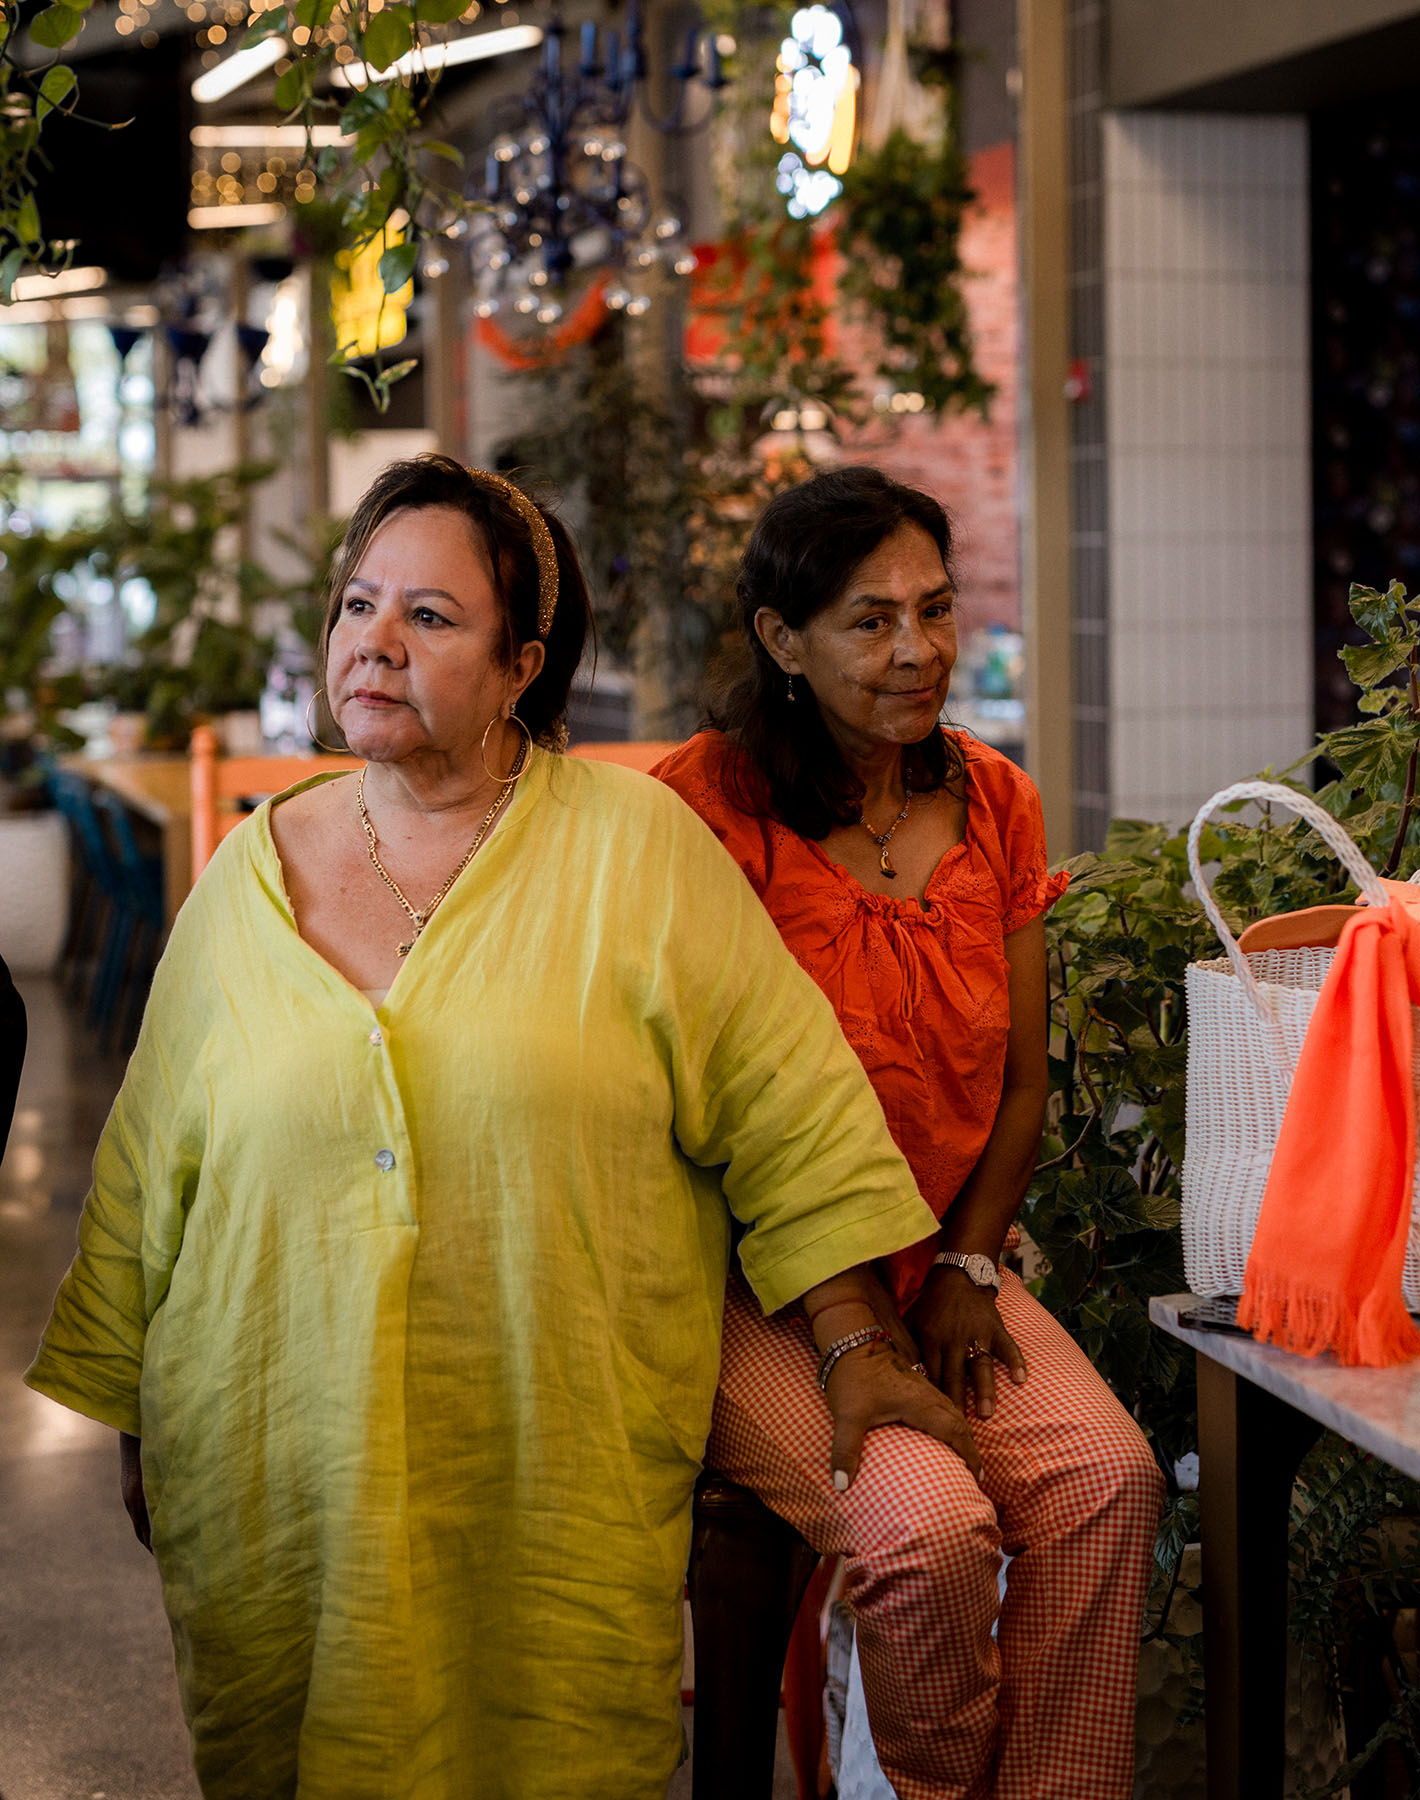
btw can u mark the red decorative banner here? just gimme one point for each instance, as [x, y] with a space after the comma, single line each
[583, 322]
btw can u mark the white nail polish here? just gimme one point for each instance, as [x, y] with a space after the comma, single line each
[840, 1480]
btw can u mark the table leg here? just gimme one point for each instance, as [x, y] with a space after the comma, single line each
[1250, 1445]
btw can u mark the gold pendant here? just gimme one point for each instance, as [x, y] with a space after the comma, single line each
[885, 866]
[404, 949]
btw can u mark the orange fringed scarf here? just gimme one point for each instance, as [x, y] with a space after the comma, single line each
[1326, 1263]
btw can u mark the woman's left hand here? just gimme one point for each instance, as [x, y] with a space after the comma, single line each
[955, 1324]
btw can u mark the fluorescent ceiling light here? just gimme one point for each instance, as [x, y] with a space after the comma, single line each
[67, 281]
[224, 218]
[265, 137]
[501, 42]
[240, 67]
[41, 312]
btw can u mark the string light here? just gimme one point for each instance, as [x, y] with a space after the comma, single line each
[815, 111]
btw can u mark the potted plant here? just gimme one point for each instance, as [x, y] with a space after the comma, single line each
[1103, 1210]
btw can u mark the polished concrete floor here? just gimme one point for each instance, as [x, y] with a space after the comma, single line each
[88, 1704]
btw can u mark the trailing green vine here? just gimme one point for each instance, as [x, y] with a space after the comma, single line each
[392, 169]
[900, 222]
[29, 98]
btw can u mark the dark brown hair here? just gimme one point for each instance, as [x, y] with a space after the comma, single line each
[429, 481]
[801, 556]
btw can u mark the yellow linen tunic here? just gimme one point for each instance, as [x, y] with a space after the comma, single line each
[417, 1312]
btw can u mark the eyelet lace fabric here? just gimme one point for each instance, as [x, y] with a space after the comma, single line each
[920, 988]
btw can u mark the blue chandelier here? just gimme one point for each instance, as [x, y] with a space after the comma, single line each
[559, 193]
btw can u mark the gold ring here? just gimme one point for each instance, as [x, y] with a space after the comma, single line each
[919, 1369]
[973, 1351]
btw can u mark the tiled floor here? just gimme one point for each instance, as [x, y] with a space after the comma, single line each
[88, 1705]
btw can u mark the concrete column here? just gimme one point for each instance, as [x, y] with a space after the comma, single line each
[1047, 602]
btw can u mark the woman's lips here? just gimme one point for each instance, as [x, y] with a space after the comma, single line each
[367, 697]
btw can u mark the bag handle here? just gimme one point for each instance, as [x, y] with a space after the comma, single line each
[1327, 828]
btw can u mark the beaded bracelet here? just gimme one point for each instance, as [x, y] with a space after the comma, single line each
[855, 1340]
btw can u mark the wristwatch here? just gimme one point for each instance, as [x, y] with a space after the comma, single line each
[979, 1269]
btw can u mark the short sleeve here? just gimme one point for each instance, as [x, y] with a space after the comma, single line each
[1028, 886]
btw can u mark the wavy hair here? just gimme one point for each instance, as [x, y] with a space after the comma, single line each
[800, 558]
[422, 482]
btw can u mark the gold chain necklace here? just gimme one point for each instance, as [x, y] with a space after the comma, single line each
[422, 915]
[883, 838]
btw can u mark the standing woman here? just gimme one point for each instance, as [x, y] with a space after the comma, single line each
[403, 1267]
[904, 865]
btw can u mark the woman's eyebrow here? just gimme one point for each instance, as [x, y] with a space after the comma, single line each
[868, 599]
[409, 593]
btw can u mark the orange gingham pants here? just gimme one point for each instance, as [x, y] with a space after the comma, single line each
[1045, 1709]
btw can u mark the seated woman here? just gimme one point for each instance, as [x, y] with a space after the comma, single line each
[904, 865]
[403, 1268]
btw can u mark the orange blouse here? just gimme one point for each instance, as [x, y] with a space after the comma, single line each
[920, 987]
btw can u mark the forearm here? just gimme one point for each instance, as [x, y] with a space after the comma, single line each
[841, 1304]
[979, 1218]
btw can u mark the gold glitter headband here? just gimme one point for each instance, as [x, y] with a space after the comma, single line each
[543, 547]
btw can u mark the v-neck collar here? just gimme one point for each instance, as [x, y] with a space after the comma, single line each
[492, 853]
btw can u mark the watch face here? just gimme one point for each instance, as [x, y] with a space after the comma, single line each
[982, 1271]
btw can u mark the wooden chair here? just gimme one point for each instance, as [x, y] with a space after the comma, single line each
[220, 782]
[748, 1574]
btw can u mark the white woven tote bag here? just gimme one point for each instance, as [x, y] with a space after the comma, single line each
[1247, 1017]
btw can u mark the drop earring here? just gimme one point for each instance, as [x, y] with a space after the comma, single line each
[789, 693]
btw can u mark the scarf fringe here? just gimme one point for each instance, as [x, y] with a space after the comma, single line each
[1278, 1310]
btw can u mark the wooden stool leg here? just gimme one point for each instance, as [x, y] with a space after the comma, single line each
[748, 1572]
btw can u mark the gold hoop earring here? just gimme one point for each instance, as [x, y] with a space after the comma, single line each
[522, 762]
[334, 749]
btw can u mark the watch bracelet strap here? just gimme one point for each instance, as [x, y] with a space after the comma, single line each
[958, 1259]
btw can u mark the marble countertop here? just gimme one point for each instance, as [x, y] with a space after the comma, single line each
[1378, 1409]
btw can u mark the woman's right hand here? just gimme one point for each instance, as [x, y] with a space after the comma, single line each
[876, 1385]
[130, 1481]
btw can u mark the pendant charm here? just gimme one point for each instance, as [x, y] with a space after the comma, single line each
[404, 949]
[885, 866]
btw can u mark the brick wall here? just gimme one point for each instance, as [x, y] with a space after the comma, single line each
[968, 465]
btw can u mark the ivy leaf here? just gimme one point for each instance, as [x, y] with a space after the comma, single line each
[1377, 614]
[1368, 664]
[314, 13]
[268, 25]
[363, 105]
[290, 89]
[397, 263]
[388, 36]
[27, 221]
[436, 147]
[57, 84]
[1134, 840]
[56, 26]
[9, 270]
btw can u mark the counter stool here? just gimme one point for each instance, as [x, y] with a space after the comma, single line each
[748, 1572]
